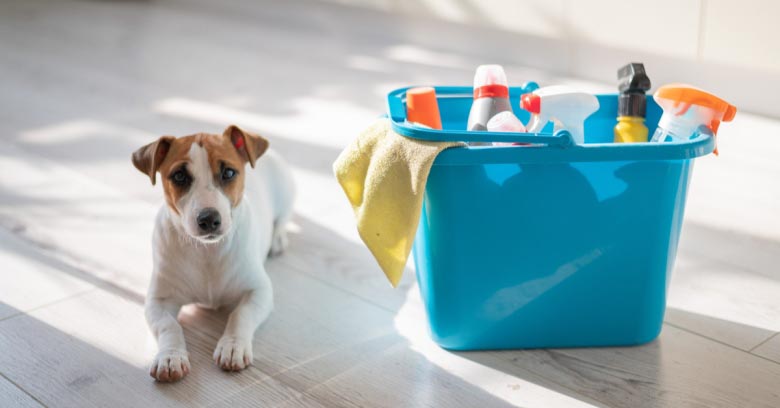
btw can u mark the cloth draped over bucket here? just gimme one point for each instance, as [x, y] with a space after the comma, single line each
[383, 175]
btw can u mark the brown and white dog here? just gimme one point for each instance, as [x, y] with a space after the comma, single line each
[219, 222]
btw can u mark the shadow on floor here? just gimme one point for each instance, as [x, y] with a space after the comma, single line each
[321, 344]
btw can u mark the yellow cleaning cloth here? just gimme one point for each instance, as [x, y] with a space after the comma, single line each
[384, 176]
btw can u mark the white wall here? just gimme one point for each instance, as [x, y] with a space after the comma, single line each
[731, 48]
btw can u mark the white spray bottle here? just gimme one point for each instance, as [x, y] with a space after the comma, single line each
[566, 107]
[685, 109]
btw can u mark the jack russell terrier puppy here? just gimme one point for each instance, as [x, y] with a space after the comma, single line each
[219, 222]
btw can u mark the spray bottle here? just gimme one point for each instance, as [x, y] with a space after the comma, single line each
[491, 96]
[685, 109]
[632, 104]
[566, 107]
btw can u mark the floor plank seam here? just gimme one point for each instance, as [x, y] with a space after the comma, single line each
[279, 376]
[764, 342]
[66, 259]
[5, 377]
[323, 355]
[45, 305]
[722, 262]
[342, 289]
[574, 392]
[748, 352]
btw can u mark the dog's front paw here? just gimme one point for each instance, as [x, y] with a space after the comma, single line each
[170, 365]
[233, 354]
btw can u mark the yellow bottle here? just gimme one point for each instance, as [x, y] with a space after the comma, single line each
[632, 104]
[631, 129]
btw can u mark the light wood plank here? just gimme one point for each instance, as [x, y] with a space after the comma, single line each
[12, 396]
[29, 278]
[93, 351]
[678, 370]
[733, 305]
[742, 336]
[732, 248]
[90, 224]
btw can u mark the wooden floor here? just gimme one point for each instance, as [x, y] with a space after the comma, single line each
[84, 83]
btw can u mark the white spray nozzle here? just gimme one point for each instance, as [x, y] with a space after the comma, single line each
[566, 106]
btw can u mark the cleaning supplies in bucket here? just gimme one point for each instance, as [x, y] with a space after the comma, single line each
[685, 109]
[422, 109]
[491, 96]
[566, 107]
[632, 104]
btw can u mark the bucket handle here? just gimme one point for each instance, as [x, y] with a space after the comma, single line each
[397, 113]
[561, 138]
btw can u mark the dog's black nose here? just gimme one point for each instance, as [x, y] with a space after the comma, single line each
[209, 220]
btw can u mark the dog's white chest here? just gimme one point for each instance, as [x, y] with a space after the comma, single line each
[206, 276]
[211, 275]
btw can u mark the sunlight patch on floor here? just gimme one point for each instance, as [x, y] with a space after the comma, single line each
[507, 387]
[316, 121]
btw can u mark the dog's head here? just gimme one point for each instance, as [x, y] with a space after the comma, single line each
[203, 176]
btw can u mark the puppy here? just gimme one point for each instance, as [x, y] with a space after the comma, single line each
[219, 222]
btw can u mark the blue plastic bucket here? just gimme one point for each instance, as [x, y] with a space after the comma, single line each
[550, 245]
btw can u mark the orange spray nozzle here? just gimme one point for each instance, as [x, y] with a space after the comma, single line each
[683, 97]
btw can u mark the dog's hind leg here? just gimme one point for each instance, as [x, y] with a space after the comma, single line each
[286, 191]
[279, 240]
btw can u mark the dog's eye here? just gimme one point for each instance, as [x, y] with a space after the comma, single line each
[180, 177]
[228, 174]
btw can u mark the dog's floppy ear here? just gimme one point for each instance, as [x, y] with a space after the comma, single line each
[249, 145]
[148, 158]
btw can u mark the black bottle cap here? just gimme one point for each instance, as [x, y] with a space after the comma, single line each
[632, 84]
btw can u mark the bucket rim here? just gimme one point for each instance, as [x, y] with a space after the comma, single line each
[547, 148]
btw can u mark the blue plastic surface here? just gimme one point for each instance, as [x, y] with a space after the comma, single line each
[551, 245]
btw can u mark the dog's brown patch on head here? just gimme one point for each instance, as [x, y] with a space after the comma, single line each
[223, 156]
[229, 151]
[177, 160]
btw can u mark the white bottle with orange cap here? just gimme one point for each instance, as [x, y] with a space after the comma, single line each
[491, 96]
[685, 109]
[566, 107]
